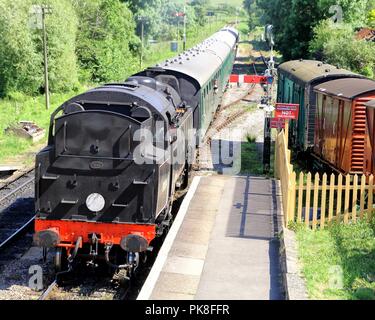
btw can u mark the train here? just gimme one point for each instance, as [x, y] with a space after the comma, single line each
[332, 125]
[101, 191]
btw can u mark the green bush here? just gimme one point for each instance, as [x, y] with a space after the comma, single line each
[105, 33]
[21, 49]
[61, 31]
[336, 44]
[20, 63]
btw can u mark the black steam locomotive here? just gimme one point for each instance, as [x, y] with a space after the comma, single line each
[117, 154]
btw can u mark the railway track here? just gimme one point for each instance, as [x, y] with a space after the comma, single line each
[237, 101]
[16, 208]
[86, 289]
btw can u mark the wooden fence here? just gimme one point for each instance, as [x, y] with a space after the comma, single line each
[320, 200]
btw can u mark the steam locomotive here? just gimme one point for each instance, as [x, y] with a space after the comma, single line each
[105, 183]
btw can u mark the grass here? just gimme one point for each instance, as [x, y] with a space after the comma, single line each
[339, 263]
[251, 159]
[20, 107]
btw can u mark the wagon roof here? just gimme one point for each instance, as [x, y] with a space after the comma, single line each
[370, 104]
[307, 71]
[347, 88]
[201, 61]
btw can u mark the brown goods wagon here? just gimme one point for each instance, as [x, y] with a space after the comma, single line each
[340, 127]
[370, 133]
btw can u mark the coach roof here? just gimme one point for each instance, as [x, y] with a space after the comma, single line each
[347, 88]
[203, 60]
[307, 71]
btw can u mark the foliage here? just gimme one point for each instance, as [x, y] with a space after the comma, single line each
[294, 20]
[336, 44]
[21, 49]
[105, 35]
[151, 11]
[254, 13]
[200, 7]
[371, 18]
[19, 59]
[61, 32]
[354, 11]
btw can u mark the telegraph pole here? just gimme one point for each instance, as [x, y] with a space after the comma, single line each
[184, 42]
[45, 10]
[143, 20]
[268, 101]
[40, 12]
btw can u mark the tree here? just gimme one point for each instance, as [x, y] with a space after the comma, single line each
[353, 11]
[254, 13]
[21, 50]
[200, 9]
[62, 26]
[152, 9]
[105, 35]
[336, 44]
[19, 59]
[371, 18]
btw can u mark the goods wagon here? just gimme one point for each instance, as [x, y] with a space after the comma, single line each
[370, 133]
[341, 138]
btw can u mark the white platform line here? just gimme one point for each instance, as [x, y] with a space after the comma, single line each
[153, 277]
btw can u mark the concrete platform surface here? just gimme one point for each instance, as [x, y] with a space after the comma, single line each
[223, 244]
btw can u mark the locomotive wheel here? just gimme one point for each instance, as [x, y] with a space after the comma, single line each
[60, 259]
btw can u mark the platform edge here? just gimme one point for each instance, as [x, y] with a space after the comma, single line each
[152, 278]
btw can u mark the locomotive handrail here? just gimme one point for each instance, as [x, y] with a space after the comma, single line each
[54, 119]
[101, 111]
[131, 158]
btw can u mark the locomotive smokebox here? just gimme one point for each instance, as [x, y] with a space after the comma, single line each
[46, 239]
[134, 243]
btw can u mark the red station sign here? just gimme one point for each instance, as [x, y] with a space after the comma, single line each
[277, 123]
[287, 111]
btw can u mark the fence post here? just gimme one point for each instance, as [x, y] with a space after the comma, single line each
[323, 202]
[362, 201]
[370, 198]
[331, 198]
[339, 198]
[300, 196]
[308, 198]
[355, 198]
[315, 203]
[292, 198]
[347, 198]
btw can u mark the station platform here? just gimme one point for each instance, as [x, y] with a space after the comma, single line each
[223, 244]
